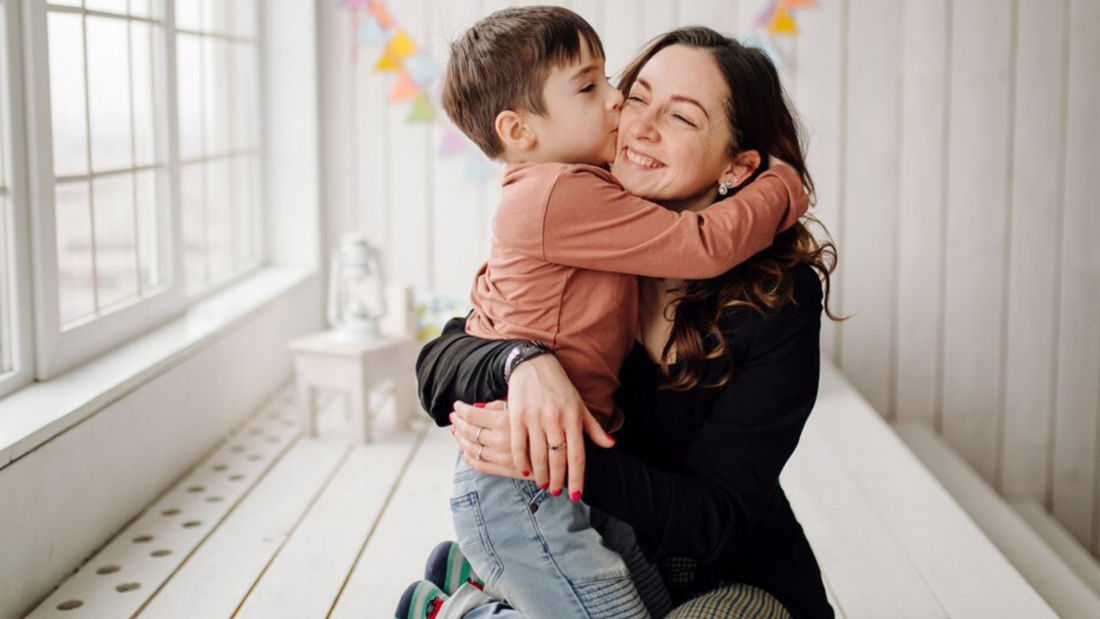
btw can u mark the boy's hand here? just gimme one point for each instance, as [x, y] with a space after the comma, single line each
[545, 409]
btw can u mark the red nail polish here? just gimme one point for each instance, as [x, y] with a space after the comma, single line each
[576, 496]
[555, 493]
[544, 486]
[611, 438]
[479, 405]
[527, 473]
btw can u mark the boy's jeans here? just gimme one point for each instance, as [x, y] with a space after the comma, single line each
[549, 556]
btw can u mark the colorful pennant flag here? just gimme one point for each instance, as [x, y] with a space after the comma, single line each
[381, 14]
[387, 63]
[405, 90]
[781, 22]
[799, 4]
[422, 110]
[371, 33]
[421, 68]
[400, 46]
[452, 143]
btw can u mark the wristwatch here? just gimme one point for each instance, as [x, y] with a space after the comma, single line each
[524, 351]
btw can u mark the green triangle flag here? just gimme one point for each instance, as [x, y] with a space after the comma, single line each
[421, 111]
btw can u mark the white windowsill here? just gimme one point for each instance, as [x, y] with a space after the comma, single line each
[39, 412]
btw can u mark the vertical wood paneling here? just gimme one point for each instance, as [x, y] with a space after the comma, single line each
[371, 129]
[820, 92]
[456, 212]
[720, 15]
[954, 148]
[925, 54]
[979, 147]
[410, 169]
[871, 193]
[338, 177]
[658, 16]
[1078, 383]
[621, 36]
[1036, 236]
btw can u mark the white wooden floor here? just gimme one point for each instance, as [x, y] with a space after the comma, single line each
[276, 526]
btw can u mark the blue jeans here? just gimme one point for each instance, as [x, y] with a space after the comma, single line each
[549, 557]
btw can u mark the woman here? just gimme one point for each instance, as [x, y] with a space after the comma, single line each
[724, 372]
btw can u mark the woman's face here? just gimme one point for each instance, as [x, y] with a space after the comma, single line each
[674, 134]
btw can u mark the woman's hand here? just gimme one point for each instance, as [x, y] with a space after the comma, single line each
[484, 437]
[545, 409]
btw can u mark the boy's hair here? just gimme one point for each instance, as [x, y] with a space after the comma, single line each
[502, 62]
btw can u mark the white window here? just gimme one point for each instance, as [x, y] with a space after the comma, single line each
[15, 341]
[216, 56]
[143, 176]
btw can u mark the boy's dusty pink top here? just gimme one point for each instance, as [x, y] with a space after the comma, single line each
[569, 242]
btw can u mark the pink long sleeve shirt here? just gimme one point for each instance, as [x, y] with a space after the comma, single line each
[569, 242]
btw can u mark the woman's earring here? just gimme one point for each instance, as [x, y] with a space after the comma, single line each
[724, 188]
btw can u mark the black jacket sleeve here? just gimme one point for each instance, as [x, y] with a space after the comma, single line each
[457, 366]
[711, 507]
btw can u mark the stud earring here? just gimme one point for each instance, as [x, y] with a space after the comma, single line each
[724, 188]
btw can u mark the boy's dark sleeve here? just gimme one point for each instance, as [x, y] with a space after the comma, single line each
[457, 366]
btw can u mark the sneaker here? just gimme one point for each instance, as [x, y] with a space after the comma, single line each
[448, 568]
[421, 600]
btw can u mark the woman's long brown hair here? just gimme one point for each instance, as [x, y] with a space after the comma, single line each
[761, 119]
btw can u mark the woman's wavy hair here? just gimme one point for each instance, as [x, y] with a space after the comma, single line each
[761, 119]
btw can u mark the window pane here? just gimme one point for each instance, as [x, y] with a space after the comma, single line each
[74, 251]
[194, 226]
[242, 210]
[115, 241]
[65, 2]
[244, 18]
[113, 6]
[109, 92]
[215, 16]
[216, 89]
[149, 258]
[70, 139]
[187, 14]
[189, 84]
[145, 100]
[140, 8]
[245, 104]
[219, 213]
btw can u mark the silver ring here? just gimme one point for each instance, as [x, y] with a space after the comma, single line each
[557, 447]
[477, 437]
[479, 453]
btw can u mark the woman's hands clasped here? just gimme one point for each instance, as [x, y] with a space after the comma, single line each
[518, 438]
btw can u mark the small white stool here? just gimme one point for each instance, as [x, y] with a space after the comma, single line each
[356, 367]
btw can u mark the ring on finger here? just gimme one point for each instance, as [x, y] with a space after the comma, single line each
[477, 437]
[478, 458]
[557, 447]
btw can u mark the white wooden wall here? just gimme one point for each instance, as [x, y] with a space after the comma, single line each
[956, 150]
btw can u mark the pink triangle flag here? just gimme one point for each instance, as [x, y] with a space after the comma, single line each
[452, 143]
[405, 90]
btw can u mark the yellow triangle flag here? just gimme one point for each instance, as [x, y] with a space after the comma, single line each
[387, 63]
[782, 23]
[401, 46]
[405, 90]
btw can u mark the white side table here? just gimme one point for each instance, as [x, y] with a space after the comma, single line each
[328, 360]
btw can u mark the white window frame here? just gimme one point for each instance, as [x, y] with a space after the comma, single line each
[18, 259]
[58, 349]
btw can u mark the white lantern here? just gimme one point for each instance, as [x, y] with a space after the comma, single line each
[356, 296]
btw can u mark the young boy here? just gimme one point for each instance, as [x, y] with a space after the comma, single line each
[528, 86]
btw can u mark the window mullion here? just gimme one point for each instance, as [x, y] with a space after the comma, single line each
[91, 166]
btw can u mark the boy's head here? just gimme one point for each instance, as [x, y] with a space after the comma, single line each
[528, 84]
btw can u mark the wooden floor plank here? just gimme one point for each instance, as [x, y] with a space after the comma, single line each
[417, 518]
[951, 553]
[308, 574]
[218, 576]
[869, 572]
[130, 568]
